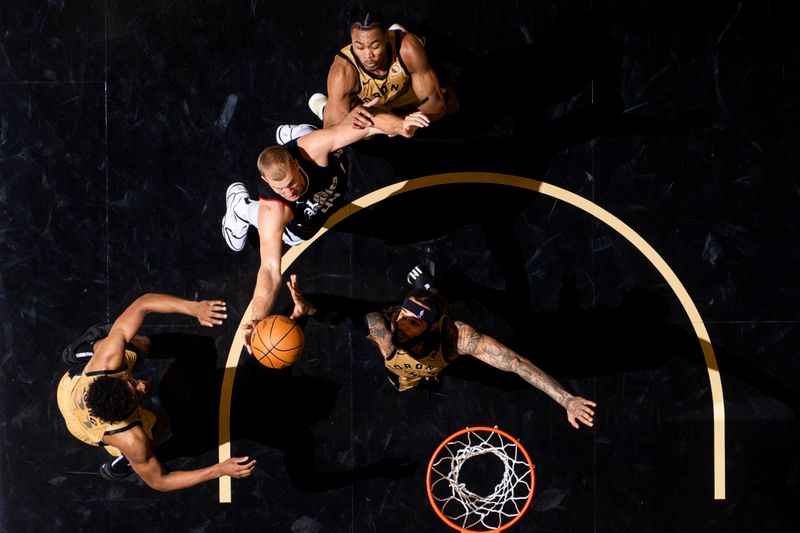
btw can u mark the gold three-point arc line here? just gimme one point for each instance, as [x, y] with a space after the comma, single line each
[522, 183]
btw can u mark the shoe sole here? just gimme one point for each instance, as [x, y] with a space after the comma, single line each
[108, 476]
[234, 243]
[311, 105]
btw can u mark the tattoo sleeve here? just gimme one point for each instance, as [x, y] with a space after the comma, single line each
[376, 326]
[467, 338]
[379, 333]
[501, 357]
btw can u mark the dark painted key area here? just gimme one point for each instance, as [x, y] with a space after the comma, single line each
[661, 245]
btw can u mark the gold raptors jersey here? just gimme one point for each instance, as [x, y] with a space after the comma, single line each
[83, 426]
[394, 88]
[411, 370]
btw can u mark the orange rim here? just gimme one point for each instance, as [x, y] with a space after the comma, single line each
[444, 443]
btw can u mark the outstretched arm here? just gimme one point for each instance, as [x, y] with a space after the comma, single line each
[137, 449]
[272, 219]
[109, 352]
[208, 313]
[499, 356]
[320, 143]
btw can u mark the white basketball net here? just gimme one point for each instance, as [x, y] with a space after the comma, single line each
[469, 510]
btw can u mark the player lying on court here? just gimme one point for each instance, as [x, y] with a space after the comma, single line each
[101, 400]
[418, 339]
[385, 61]
[381, 61]
[301, 185]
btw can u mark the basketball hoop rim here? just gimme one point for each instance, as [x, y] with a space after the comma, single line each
[475, 429]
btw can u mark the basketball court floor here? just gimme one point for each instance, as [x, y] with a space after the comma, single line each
[617, 201]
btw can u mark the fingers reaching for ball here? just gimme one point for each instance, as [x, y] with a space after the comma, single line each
[302, 306]
[293, 287]
[247, 332]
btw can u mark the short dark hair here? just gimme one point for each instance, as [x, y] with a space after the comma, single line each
[108, 399]
[367, 20]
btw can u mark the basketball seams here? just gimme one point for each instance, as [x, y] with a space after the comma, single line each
[275, 345]
[286, 333]
[271, 353]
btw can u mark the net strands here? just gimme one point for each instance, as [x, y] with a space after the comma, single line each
[469, 509]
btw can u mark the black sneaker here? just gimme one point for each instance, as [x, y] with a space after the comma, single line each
[419, 278]
[116, 469]
[80, 351]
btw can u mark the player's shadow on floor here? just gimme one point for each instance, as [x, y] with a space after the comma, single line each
[503, 127]
[432, 213]
[512, 91]
[272, 407]
[512, 123]
[635, 336]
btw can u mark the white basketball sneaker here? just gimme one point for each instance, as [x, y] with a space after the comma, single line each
[235, 225]
[290, 132]
[317, 104]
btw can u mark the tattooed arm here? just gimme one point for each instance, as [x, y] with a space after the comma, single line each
[501, 357]
[379, 333]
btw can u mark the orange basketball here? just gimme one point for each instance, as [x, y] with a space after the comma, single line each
[277, 341]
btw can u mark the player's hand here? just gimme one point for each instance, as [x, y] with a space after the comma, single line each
[579, 410]
[238, 467]
[302, 306]
[210, 313]
[247, 335]
[360, 117]
[412, 121]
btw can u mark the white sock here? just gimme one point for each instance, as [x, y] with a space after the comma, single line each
[251, 215]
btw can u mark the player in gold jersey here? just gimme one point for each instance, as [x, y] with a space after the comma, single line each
[418, 339]
[101, 400]
[389, 64]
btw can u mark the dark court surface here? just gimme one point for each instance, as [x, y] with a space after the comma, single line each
[123, 123]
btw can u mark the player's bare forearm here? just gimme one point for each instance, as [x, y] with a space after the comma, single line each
[208, 313]
[506, 359]
[433, 106]
[163, 481]
[162, 303]
[129, 322]
[501, 357]
[264, 295]
[388, 123]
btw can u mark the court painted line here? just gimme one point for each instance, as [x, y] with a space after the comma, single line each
[564, 195]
